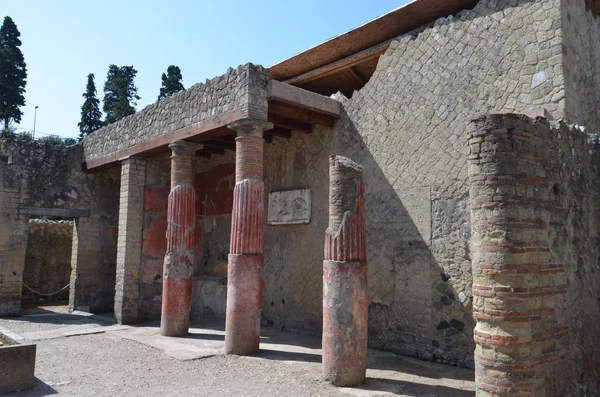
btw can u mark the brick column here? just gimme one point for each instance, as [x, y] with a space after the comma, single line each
[245, 267]
[517, 289]
[129, 242]
[179, 259]
[345, 292]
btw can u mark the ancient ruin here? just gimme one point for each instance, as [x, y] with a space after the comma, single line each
[475, 123]
[345, 285]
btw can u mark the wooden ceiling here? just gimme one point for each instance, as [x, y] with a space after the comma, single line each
[286, 119]
[291, 110]
[346, 62]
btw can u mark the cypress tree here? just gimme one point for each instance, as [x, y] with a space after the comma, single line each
[91, 118]
[120, 93]
[171, 82]
[13, 74]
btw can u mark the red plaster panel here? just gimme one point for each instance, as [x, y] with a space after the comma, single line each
[152, 268]
[155, 242]
[220, 184]
[214, 191]
[113, 231]
[156, 198]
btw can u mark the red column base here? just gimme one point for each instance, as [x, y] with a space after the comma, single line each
[176, 304]
[345, 322]
[244, 298]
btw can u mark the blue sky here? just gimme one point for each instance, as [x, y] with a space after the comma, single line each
[64, 40]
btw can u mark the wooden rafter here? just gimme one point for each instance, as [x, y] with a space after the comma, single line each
[342, 64]
[357, 76]
[303, 116]
[295, 125]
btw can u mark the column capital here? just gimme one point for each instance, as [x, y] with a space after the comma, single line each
[250, 127]
[183, 148]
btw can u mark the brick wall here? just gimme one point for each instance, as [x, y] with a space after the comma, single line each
[534, 191]
[129, 242]
[518, 281]
[47, 259]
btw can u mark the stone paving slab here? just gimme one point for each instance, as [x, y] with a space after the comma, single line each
[72, 330]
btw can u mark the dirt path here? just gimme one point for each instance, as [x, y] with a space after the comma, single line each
[116, 361]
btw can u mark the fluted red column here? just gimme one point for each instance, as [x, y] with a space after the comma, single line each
[245, 267]
[345, 292]
[179, 259]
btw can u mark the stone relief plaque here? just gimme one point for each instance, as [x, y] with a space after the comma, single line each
[289, 207]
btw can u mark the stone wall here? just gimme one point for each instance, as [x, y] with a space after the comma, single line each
[242, 90]
[406, 127]
[38, 178]
[581, 63]
[534, 249]
[47, 259]
[576, 244]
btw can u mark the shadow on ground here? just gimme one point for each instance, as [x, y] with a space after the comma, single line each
[408, 388]
[40, 389]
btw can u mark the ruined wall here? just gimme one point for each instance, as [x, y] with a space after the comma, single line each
[581, 63]
[214, 182]
[576, 244]
[48, 258]
[406, 127]
[533, 196]
[41, 176]
[242, 90]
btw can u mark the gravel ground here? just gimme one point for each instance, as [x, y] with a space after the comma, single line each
[106, 364]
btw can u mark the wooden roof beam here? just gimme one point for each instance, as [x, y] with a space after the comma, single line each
[290, 124]
[342, 64]
[303, 116]
[357, 76]
[303, 99]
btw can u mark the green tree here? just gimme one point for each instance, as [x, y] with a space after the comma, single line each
[120, 93]
[13, 74]
[91, 117]
[171, 82]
